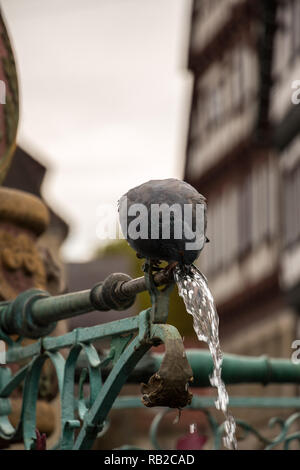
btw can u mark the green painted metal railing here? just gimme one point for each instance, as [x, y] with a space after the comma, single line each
[34, 314]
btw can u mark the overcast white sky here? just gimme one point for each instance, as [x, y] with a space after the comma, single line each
[104, 99]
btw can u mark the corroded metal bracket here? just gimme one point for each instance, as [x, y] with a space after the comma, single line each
[169, 386]
[160, 299]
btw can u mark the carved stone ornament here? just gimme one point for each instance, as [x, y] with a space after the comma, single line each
[22, 218]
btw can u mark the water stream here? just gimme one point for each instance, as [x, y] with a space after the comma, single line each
[199, 302]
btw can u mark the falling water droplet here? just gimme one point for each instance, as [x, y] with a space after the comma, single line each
[193, 428]
[199, 302]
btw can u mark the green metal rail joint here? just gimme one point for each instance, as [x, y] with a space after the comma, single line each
[34, 314]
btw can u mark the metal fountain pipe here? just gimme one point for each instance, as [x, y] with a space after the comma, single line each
[237, 369]
[117, 291]
[34, 312]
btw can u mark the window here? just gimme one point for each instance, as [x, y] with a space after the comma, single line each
[228, 84]
[245, 215]
[291, 206]
[260, 203]
[237, 77]
[295, 28]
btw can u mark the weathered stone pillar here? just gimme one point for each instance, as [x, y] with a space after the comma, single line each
[23, 218]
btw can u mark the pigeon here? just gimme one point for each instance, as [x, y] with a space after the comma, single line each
[164, 236]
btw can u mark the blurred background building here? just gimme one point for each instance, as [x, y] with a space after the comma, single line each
[243, 153]
[230, 159]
